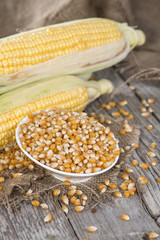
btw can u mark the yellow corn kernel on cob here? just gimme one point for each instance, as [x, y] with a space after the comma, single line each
[20, 102]
[76, 47]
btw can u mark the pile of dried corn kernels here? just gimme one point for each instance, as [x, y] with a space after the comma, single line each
[68, 142]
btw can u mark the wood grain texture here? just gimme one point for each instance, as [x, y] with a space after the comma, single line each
[144, 213]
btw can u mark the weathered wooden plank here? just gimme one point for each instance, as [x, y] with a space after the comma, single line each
[108, 221]
[28, 223]
[150, 196]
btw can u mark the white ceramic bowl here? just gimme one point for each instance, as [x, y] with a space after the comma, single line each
[72, 177]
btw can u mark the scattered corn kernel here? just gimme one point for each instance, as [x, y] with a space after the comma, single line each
[113, 185]
[79, 192]
[151, 154]
[125, 176]
[151, 100]
[29, 192]
[150, 109]
[71, 192]
[77, 202]
[135, 163]
[103, 105]
[64, 199]
[35, 203]
[1, 188]
[123, 102]
[149, 127]
[158, 179]
[106, 181]
[153, 235]
[108, 107]
[144, 165]
[116, 114]
[44, 206]
[56, 192]
[143, 109]
[126, 193]
[16, 175]
[145, 114]
[67, 182]
[108, 121]
[117, 194]
[143, 180]
[65, 209]
[125, 217]
[2, 179]
[129, 170]
[73, 199]
[112, 104]
[135, 145]
[79, 208]
[154, 163]
[91, 228]
[153, 145]
[48, 218]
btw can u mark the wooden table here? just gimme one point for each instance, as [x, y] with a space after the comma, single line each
[27, 224]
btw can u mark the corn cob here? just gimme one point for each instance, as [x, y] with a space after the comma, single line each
[77, 47]
[20, 102]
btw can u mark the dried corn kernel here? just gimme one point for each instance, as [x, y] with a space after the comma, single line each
[112, 104]
[126, 193]
[135, 163]
[123, 102]
[64, 199]
[67, 182]
[113, 185]
[2, 179]
[48, 218]
[73, 199]
[153, 235]
[154, 163]
[79, 208]
[151, 154]
[65, 209]
[153, 145]
[16, 175]
[125, 176]
[44, 206]
[145, 114]
[35, 203]
[56, 192]
[91, 228]
[151, 100]
[117, 194]
[144, 165]
[143, 180]
[106, 181]
[116, 114]
[1, 188]
[149, 127]
[125, 217]
[129, 170]
[77, 202]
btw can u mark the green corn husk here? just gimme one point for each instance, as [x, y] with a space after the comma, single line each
[78, 63]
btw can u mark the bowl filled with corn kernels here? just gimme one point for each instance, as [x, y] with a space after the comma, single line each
[70, 145]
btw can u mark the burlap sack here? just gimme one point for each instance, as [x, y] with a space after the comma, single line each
[40, 181]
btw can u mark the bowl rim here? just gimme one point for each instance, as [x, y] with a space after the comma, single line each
[81, 175]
